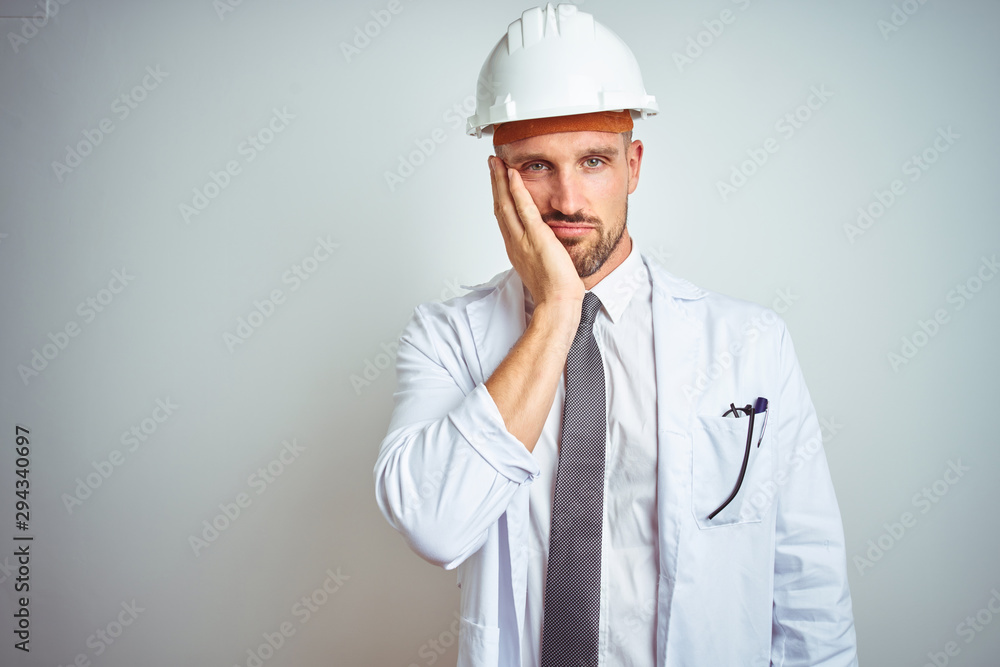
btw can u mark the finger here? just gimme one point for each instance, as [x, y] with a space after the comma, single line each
[504, 205]
[525, 205]
[504, 231]
[502, 222]
[493, 177]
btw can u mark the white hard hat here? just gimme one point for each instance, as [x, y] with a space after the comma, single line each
[557, 61]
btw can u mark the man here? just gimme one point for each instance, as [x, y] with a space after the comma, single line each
[559, 432]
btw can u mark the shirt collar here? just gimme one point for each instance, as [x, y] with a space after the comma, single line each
[618, 287]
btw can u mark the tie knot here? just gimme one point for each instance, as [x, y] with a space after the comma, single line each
[591, 304]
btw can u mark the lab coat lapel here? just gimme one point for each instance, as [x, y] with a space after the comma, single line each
[497, 321]
[678, 336]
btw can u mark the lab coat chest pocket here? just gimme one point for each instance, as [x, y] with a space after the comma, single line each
[718, 446]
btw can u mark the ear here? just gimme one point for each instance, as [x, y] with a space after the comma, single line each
[634, 158]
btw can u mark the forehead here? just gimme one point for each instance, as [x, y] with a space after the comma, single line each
[564, 145]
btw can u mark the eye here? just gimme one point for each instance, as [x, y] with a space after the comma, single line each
[531, 167]
[593, 162]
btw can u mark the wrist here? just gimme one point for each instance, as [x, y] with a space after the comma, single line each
[557, 320]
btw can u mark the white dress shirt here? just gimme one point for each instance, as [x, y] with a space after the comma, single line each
[629, 572]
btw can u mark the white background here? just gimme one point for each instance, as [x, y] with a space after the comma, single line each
[301, 374]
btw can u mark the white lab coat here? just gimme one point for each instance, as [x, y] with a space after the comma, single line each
[765, 582]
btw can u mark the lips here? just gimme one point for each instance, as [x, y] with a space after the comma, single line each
[565, 230]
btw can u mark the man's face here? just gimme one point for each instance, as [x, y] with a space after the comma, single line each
[580, 182]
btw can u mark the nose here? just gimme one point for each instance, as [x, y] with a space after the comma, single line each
[566, 194]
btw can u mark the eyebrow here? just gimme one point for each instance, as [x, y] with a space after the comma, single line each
[608, 151]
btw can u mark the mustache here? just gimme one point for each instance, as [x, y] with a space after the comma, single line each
[556, 216]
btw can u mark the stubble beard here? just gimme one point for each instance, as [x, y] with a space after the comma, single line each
[591, 261]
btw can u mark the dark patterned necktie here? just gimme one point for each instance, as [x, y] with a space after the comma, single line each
[572, 605]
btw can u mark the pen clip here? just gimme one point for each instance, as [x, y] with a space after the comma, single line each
[761, 405]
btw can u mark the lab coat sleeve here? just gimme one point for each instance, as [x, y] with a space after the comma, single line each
[813, 622]
[448, 467]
